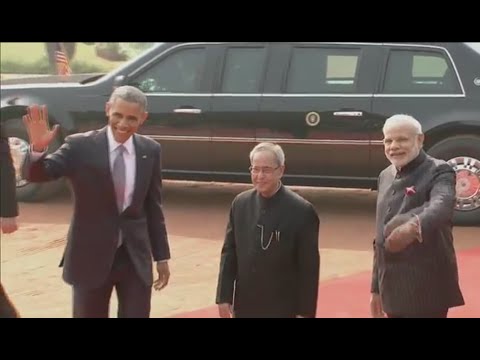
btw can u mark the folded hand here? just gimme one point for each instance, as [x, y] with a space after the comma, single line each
[395, 222]
[402, 236]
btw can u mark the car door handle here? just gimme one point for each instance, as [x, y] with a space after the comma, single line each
[187, 111]
[348, 113]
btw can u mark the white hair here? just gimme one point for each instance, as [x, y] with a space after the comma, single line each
[130, 94]
[275, 149]
[403, 120]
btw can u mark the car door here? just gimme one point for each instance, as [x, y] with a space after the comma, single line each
[316, 105]
[418, 80]
[178, 87]
[235, 107]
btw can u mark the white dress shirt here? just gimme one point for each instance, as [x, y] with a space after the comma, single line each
[130, 164]
[130, 168]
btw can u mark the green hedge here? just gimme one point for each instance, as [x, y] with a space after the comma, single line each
[31, 58]
[42, 67]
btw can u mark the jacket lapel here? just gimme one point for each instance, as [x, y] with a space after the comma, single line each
[141, 168]
[103, 158]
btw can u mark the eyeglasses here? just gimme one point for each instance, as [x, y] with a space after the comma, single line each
[266, 170]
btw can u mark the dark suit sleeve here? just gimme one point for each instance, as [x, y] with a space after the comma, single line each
[440, 207]
[228, 264]
[156, 219]
[308, 259]
[47, 167]
[9, 205]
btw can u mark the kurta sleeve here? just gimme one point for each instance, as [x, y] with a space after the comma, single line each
[374, 286]
[439, 209]
[309, 264]
[434, 212]
[228, 264]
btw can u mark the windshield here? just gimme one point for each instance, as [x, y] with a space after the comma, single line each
[475, 46]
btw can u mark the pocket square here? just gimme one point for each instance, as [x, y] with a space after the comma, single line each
[144, 156]
[409, 191]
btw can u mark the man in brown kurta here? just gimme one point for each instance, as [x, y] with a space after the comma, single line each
[270, 259]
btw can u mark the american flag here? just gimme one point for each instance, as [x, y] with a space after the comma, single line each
[61, 59]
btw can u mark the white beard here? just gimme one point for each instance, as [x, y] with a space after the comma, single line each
[400, 163]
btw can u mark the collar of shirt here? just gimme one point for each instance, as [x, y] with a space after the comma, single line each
[113, 144]
[412, 165]
[267, 202]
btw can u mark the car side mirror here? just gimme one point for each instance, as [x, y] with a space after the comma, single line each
[119, 81]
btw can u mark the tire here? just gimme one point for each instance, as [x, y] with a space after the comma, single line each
[30, 192]
[456, 150]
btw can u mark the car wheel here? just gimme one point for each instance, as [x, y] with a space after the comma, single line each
[463, 154]
[27, 191]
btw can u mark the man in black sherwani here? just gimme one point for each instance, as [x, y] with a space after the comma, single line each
[415, 271]
[270, 259]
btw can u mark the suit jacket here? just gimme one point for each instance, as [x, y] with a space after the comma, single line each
[270, 276]
[423, 278]
[93, 235]
[8, 199]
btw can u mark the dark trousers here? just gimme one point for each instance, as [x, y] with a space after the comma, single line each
[134, 297]
[7, 309]
[433, 315]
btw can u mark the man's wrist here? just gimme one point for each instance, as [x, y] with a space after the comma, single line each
[36, 149]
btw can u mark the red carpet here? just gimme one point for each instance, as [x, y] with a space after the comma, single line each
[349, 297]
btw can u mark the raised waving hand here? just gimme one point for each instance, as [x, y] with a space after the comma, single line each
[38, 128]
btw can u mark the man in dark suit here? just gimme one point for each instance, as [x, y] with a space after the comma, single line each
[8, 213]
[270, 259]
[415, 271]
[118, 225]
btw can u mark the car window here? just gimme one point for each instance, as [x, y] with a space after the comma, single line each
[323, 70]
[243, 70]
[179, 72]
[419, 72]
